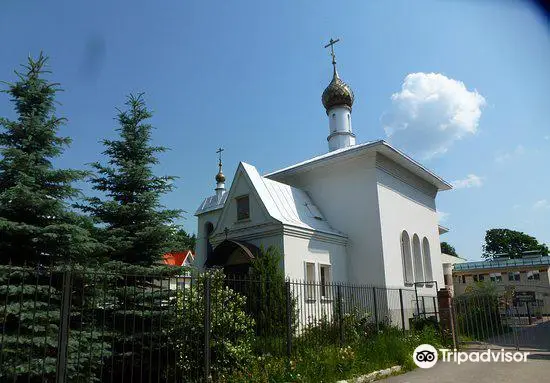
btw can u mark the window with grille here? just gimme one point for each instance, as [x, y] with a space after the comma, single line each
[533, 275]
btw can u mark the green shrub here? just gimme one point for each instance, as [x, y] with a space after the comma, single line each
[419, 323]
[267, 296]
[231, 329]
[356, 325]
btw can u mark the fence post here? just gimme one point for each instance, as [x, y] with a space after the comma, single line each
[435, 308]
[63, 338]
[417, 304]
[340, 322]
[424, 306]
[288, 320]
[516, 335]
[375, 308]
[402, 309]
[446, 314]
[207, 323]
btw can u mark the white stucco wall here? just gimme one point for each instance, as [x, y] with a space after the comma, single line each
[258, 214]
[406, 207]
[346, 194]
[260, 229]
[372, 200]
[200, 247]
[298, 251]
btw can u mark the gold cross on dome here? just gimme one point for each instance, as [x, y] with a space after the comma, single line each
[331, 45]
[219, 153]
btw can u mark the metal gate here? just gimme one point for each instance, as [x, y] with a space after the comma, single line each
[515, 316]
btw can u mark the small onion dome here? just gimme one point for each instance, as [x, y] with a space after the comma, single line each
[220, 178]
[337, 93]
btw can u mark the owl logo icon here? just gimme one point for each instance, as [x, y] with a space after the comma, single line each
[425, 356]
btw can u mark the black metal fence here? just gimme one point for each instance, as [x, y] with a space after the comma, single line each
[81, 325]
[511, 316]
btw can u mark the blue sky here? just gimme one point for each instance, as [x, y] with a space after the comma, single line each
[248, 76]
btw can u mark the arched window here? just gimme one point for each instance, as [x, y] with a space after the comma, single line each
[417, 260]
[208, 229]
[427, 260]
[406, 258]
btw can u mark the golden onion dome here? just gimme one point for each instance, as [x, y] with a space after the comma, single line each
[337, 93]
[220, 178]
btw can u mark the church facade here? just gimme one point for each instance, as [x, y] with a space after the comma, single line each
[361, 213]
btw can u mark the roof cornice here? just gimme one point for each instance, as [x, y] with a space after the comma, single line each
[380, 146]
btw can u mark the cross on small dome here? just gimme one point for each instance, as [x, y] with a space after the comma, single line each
[337, 92]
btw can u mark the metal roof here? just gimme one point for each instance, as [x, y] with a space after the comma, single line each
[212, 203]
[502, 264]
[288, 204]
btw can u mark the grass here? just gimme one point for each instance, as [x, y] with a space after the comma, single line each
[329, 363]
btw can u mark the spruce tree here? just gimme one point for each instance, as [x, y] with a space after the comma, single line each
[182, 241]
[136, 226]
[36, 225]
[138, 231]
[38, 232]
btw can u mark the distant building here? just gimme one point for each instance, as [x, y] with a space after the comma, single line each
[529, 275]
[182, 258]
[447, 261]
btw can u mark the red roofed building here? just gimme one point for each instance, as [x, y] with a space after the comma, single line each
[182, 258]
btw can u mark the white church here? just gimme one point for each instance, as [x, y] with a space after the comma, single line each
[360, 213]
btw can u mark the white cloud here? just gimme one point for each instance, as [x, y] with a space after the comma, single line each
[442, 216]
[503, 157]
[471, 181]
[430, 113]
[541, 205]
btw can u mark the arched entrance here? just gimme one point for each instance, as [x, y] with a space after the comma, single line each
[234, 256]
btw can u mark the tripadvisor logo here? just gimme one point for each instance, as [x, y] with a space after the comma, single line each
[426, 356]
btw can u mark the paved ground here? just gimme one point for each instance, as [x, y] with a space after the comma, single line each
[534, 370]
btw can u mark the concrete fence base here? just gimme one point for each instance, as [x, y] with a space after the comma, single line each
[373, 375]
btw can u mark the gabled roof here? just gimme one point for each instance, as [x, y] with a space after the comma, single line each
[379, 146]
[287, 204]
[178, 258]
